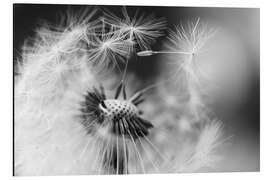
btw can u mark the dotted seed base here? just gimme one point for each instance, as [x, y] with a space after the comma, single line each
[117, 109]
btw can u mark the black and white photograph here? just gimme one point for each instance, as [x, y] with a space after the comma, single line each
[121, 89]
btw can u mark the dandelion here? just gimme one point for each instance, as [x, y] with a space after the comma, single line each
[65, 125]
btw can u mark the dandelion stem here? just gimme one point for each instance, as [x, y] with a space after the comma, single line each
[125, 71]
[118, 90]
[122, 85]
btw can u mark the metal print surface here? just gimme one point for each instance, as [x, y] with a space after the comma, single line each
[134, 89]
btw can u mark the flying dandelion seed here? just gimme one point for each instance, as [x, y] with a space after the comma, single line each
[140, 29]
[204, 152]
[191, 37]
[185, 44]
[64, 125]
[185, 40]
[106, 48]
[183, 49]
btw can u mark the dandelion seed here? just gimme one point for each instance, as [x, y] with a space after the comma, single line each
[140, 29]
[185, 44]
[190, 38]
[107, 48]
[65, 36]
[185, 40]
[205, 151]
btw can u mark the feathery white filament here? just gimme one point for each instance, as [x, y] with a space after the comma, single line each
[191, 37]
[204, 154]
[107, 48]
[142, 30]
[51, 80]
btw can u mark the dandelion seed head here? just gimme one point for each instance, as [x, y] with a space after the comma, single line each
[70, 128]
[119, 108]
[121, 115]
